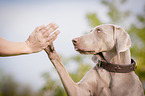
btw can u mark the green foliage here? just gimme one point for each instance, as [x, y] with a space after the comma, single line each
[9, 87]
[115, 13]
[93, 20]
[52, 87]
[82, 69]
[138, 45]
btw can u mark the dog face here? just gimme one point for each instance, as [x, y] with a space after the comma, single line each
[102, 38]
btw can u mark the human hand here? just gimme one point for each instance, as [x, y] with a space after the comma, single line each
[41, 38]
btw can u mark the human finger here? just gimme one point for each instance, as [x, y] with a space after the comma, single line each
[50, 30]
[51, 40]
[51, 37]
[49, 25]
[39, 28]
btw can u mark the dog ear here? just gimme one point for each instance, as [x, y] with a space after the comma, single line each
[122, 40]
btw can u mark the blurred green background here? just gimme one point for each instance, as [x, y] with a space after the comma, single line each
[53, 87]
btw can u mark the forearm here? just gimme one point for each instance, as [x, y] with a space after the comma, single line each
[69, 85]
[10, 48]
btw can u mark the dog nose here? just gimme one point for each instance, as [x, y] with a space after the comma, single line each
[75, 41]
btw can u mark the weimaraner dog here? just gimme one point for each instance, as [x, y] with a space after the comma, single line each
[113, 74]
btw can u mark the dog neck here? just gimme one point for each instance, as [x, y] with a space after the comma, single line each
[112, 57]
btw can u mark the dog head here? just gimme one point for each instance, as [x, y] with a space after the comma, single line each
[102, 39]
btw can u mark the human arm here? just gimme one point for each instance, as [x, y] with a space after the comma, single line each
[9, 48]
[37, 41]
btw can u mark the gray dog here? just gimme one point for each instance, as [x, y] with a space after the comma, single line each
[114, 73]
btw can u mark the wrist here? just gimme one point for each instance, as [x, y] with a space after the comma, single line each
[27, 49]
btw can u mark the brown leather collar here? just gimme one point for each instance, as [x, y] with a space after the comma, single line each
[116, 68]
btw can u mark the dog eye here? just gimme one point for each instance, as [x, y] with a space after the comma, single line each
[98, 30]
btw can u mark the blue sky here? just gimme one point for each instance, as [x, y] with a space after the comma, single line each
[18, 18]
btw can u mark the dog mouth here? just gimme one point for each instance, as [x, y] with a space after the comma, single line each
[84, 51]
